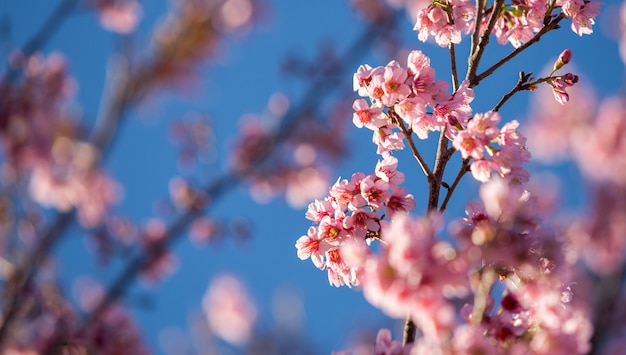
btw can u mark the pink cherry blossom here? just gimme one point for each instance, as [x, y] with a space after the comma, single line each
[310, 246]
[318, 209]
[399, 202]
[229, 310]
[387, 140]
[387, 170]
[375, 192]
[583, 14]
[394, 86]
[412, 110]
[371, 117]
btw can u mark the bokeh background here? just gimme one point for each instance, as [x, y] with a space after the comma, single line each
[250, 69]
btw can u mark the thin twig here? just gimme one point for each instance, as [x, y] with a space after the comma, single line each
[462, 171]
[474, 59]
[477, 21]
[455, 75]
[553, 25]
[409, 137]
[523, 78]
[434, 184]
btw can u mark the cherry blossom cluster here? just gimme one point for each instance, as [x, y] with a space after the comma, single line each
[446, 21]
[517, 22]
[120, 16]
[535, 311]
[395, 92]
[476, 139]
[42, 143]
[351, 215]
[414, 98]
[415, 274]
[501, 242]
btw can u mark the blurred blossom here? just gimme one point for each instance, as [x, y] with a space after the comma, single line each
[121, 16]
[114, 333]
[87, 292]
[305, 185]
[296, 167]
[229, 310]
[598, 236]
[234, 14]
[601, 151]
[204, 229]
[376, 11]
[191, 33]
[183, 195]
[92, 193]
[162, 262]
[196, 139]
[554, 130]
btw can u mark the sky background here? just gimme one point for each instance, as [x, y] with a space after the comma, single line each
[245, 75]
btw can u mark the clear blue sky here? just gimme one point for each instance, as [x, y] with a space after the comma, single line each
[244, 77]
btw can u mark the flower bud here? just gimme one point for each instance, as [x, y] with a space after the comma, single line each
[563, 59]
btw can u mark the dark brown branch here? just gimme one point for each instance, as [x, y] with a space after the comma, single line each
[416, 154]
[462, 171]
[474, 59]
[409, 332]
[553, 25]
[519, 86]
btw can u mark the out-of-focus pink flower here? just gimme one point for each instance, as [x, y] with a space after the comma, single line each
[162, 262]
[385, 345]
[121, 16]
[229, 310]
[91, 192]
[304, 185]
[600, 151]
[555, 131]
[598, 237]
[203, 230]
[410, 274]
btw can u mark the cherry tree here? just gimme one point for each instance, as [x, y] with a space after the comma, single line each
[513, 275]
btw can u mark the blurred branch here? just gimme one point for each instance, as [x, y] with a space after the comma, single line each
[609, 290]
[319, 89]
[45, 32]
[462, 171]
[24, 275]
[553, 25]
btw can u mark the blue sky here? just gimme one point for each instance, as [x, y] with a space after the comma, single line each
[241, 81]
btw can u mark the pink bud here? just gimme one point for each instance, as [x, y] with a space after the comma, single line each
[563, 59]
[561, 96]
